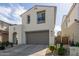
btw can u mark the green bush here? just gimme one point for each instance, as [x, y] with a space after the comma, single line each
[52, 48]
[4, 44]
[7, 43]
[2, 47]
[77, 44]
[61, 51]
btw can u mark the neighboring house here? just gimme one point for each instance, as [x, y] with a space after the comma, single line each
[4, 31]
[70, 24]
[64, 26]
[37, 26]
[59, 33]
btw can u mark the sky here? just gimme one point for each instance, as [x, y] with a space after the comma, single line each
[10, 12]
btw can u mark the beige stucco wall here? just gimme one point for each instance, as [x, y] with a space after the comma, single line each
[72, 32]
[73, 15]
[33, 26]
[64, 26]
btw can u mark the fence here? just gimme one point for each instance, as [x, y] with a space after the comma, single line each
[60, 39]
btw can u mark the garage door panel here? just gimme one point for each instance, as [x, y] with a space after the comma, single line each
[41, 37]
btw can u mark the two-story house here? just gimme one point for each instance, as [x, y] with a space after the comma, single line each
[4, 31]
[70, 24]
[37, 26]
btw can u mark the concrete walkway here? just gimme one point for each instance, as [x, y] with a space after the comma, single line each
[25, 50]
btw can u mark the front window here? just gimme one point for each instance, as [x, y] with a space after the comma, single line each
[41, 17]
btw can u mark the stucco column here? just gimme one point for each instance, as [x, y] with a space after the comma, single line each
[23, 39]
[51, 37]
[10, 34]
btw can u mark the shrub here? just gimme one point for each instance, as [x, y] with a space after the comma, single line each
[7, 43]
[3, 44]
[61, 50]
[52, 48]
[61, 44]
[72, 43]
[2, 47]
[77, 44]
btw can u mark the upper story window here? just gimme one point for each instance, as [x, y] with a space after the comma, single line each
[41, 17]
[28, 19]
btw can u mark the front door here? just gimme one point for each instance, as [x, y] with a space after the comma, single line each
[15, 38]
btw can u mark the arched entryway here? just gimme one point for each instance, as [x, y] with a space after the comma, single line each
[15, 41]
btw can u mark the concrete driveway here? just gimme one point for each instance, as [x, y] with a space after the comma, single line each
[25, 50]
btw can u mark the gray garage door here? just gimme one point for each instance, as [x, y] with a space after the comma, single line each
[40, 37]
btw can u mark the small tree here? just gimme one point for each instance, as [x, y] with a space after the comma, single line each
[61, 50]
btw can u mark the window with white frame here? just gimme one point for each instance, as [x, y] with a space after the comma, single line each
[41, 17]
